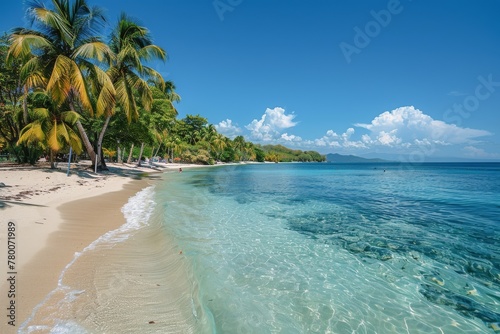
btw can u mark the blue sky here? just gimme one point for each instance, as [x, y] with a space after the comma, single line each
[414, 79]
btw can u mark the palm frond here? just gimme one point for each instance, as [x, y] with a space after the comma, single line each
[41, 113]
[75, 141]
[62, 132]
[59, 84]
[152, 52]
[55, 20]
[36, 80]
[78, 83]
[106, 99]
[70, 117]
[94, 50]
[125, 98]
[53, 137]
[31, 133]
[154, 76]
[142, 87]
[22, 44]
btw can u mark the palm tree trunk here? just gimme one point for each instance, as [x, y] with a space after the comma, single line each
[83, 136]
[52, 164]
[130, 154]
[25, 105]
[100, 139]
[86, 141]
[118, 154]
[154, 155]
[103, 161]
[140, 155]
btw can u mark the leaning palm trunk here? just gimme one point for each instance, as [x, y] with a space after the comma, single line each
[140, 155]
[129, 160]
[86, 142]
[102, 163]
[154, 155]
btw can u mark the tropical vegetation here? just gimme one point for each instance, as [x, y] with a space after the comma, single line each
[64, 86]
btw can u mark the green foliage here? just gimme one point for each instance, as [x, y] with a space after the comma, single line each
[12, 117]
[260, 155]
[280, 153]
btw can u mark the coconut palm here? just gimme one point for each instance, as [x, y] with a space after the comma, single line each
[218, 144]
[133, 47]
[249, 152]
[62, 44]
[51, 128]
[239, 145]
[169, 90]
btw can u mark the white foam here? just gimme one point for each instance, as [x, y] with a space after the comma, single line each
[68, 327]
[137, 213]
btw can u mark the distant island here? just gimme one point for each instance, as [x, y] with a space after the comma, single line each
[339, 158]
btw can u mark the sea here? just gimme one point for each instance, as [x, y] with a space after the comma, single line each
[295, 248]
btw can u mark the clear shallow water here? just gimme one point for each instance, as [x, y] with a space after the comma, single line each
[304, 248]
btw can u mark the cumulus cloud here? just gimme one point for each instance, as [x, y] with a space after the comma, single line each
[406, 126]
[228, 129]
[332, 139]
[271, 124]
[401, 130]
[291, 138]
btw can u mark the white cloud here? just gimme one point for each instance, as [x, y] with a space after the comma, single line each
[271, 124]
[292, 138]
[401, 130]
[407, 125]
[332, 139]
[228, 129]
[388, 138]
[475, 152]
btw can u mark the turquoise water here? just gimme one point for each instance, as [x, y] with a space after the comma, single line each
[323, 248]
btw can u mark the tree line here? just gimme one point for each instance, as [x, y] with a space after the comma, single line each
[63, 85]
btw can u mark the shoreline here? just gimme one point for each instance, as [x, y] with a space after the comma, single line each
[43, 206]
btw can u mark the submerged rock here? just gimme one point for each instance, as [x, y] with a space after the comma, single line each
[462, 304]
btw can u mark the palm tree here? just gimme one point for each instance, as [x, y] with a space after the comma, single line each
[170, 92]
[249, 152]
[133, 47]
[239, 145]
[51, 128]
[63, 45]
[14, 103]
[219, 144]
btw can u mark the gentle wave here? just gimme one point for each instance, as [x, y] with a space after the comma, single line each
[137, 212]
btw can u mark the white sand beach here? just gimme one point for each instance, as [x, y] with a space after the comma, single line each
[47, 238]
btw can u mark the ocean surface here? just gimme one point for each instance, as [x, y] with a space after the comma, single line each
[299, 248]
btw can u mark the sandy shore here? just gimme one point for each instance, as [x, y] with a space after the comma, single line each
[54, 216]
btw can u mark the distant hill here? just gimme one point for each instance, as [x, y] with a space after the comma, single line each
[284, 154]
[339, 158]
